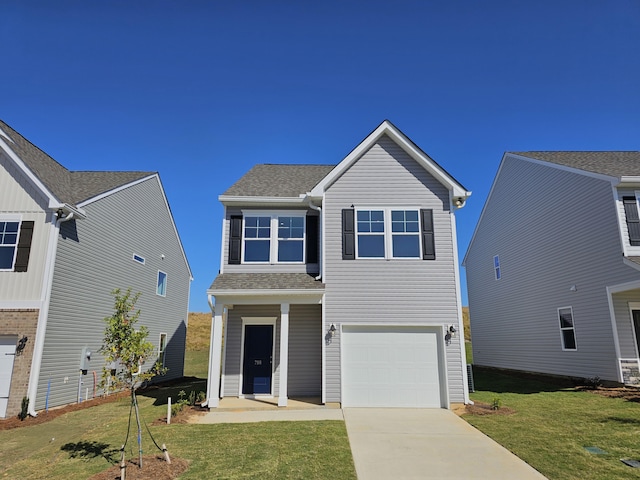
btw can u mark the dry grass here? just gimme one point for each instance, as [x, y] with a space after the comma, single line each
[466, 321]
[198, 331]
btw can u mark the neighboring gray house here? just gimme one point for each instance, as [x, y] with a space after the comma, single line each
[553, 268]
[342, 282]
[67, 239]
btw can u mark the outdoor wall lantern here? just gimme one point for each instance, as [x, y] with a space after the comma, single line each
[451, 332]
[21, 344]
[332, 330]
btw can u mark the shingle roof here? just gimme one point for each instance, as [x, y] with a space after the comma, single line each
[266, 281]
[268, 180]
[616, 164]
[67, 186]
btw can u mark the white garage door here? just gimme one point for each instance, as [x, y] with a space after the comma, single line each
[391, 367]
[7, 354]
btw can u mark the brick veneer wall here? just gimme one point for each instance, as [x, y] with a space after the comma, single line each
[20, 323]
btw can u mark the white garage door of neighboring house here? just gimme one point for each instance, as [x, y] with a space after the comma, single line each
[391, 366]
[7, 354]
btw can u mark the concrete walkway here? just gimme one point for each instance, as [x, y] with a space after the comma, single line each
[426, 444]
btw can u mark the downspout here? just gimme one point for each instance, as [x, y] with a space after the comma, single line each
[38, 346]
[319, 210]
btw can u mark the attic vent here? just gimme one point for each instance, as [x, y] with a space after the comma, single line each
[470, 377]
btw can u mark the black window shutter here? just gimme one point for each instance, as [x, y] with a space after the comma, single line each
[428, 240]
[348, 235]
[312, 239]
[633, 220]
[24, 247]
[235, 239]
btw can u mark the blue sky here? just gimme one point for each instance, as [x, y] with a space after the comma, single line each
[202, 90]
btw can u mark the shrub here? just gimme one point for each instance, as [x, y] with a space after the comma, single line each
[496, 403]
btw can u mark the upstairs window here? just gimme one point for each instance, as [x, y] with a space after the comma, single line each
[567, 330]
[8, 244]
[388, 233]
[273, 238]
[632, 219]
[496, 267]
[162, 284]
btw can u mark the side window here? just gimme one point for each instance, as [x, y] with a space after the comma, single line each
[8, 243]
[162, 284]
[632, 219]
[290, 239]
[370, 232]
[405, 234]
[162, 348]
[257, 239]
[496, 267]
[567, 330]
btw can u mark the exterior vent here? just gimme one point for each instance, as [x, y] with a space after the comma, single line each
[470, 377]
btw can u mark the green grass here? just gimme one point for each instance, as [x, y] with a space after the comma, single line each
[469, 351]
[196, 363]
[79, 444]
[553, 423]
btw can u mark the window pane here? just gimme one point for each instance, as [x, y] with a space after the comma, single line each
[406, 246]
[257, 227]
[569, 339]
[8, 233]
[290, 227]
[566, 321]
[162, 284]
[6, 257]
[290, 251]
[371, 246]
[256, 250]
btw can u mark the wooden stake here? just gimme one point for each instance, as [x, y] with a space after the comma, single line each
[166, 453]
[123, 465]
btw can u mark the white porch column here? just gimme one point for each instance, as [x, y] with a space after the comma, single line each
[213, 384]
[284, 354]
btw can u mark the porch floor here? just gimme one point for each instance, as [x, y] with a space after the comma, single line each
[268, 403]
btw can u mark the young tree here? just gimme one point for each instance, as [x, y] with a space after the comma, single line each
[126, 350]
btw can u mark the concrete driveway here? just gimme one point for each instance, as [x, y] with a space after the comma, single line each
[426, 443]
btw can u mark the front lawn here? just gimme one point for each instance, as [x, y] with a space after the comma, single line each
[79, 444]
[553, 423]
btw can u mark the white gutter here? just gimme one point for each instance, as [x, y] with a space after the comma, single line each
[47, 282]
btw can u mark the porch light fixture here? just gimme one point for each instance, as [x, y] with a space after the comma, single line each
[332, 330]
[21, 344]
[451, 332]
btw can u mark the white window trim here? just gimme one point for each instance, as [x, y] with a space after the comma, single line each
[166, 280]
[273, 238]
[141, 261]
[12, 218]
[388, 234]
[573, 321]
[628, 249]
[497, 269]
[161, 351]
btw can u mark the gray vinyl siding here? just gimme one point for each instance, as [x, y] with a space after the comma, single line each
[624, 323]
[95, 257]
[400, 291]
[552, 229]
[305, 348]
[260, 268]
[18, 196]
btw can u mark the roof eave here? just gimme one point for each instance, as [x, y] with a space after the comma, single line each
[237, 201]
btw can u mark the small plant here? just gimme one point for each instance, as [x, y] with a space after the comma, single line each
[185, 400]
[24, 408]
[496, 404]
[593, 383]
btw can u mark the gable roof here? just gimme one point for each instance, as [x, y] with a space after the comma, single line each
[415, 152]
[615, 164]
[65, 186]
[269, 180]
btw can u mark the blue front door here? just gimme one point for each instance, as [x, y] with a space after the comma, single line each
[258, 348]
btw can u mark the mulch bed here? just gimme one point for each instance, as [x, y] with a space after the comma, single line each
[630, 394]
[479, 408]
[184, 416]
[153, 466]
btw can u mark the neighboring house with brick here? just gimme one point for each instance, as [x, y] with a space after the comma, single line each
[67, 240]
[342, 282]
[553, 268]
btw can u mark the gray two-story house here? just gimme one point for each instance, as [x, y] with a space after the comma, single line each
[67, 240]
[342, 282]
[553, 268]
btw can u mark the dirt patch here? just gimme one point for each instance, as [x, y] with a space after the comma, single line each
[630, 394]
[185, 416]
[479, 408]
[43, 416]
[152, 467]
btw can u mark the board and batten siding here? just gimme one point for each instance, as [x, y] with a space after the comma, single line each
[19, 197]
[95, 256]
[305, 348]
[264, 267]
[397, 291]
[552, 229]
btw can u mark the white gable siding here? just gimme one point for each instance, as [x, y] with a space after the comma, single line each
[94, 257]
[552, 229]
[18, 196]
[400, 291]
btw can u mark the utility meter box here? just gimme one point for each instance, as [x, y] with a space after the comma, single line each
[85, 360]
